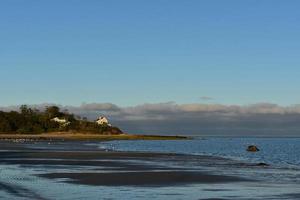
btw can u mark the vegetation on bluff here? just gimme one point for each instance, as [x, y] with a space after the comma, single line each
[29, 121]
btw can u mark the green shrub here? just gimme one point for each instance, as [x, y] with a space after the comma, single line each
[32, 121]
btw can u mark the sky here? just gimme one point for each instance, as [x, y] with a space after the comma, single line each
[135, 52]
[155, 59]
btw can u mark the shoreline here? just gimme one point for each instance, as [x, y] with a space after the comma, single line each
[69, 136]
[113, 168]
[50, 170]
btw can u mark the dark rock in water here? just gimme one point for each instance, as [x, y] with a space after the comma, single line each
[262, 164]
[252, 148]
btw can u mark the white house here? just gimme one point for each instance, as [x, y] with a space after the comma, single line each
[62, 122]
[103, 121]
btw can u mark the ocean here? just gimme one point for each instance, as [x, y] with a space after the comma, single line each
[278, 152]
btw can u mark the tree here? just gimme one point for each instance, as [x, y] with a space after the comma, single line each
[31, 121]
[25, 110]
[53, 111]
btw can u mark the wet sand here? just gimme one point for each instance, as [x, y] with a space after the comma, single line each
[80, 170]
[159, 178]
[112, 168]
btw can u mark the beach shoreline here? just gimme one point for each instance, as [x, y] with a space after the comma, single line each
[117, 168]
[77, 136]
[56, 169]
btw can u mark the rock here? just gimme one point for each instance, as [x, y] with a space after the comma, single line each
[263, 164]
[252, 148]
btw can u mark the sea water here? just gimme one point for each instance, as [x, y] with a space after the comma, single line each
[280, 152]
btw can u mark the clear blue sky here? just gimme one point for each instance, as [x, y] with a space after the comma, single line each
[133, 52]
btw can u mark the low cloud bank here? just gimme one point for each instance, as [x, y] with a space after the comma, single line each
[203, 119]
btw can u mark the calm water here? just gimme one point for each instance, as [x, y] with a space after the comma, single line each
[281, 152]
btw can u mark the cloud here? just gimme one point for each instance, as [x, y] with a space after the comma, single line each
[172, 118]
[100, 107]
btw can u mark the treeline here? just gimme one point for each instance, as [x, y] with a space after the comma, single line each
[33, 121]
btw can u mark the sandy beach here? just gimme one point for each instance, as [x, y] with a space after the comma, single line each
[114, 171]
[73, 136]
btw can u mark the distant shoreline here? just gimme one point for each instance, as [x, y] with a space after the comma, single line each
[67, 136]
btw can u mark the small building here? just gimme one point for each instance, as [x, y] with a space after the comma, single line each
[103, 121]
[62, 122]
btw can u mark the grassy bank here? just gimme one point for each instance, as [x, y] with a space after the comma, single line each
[87, 136]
